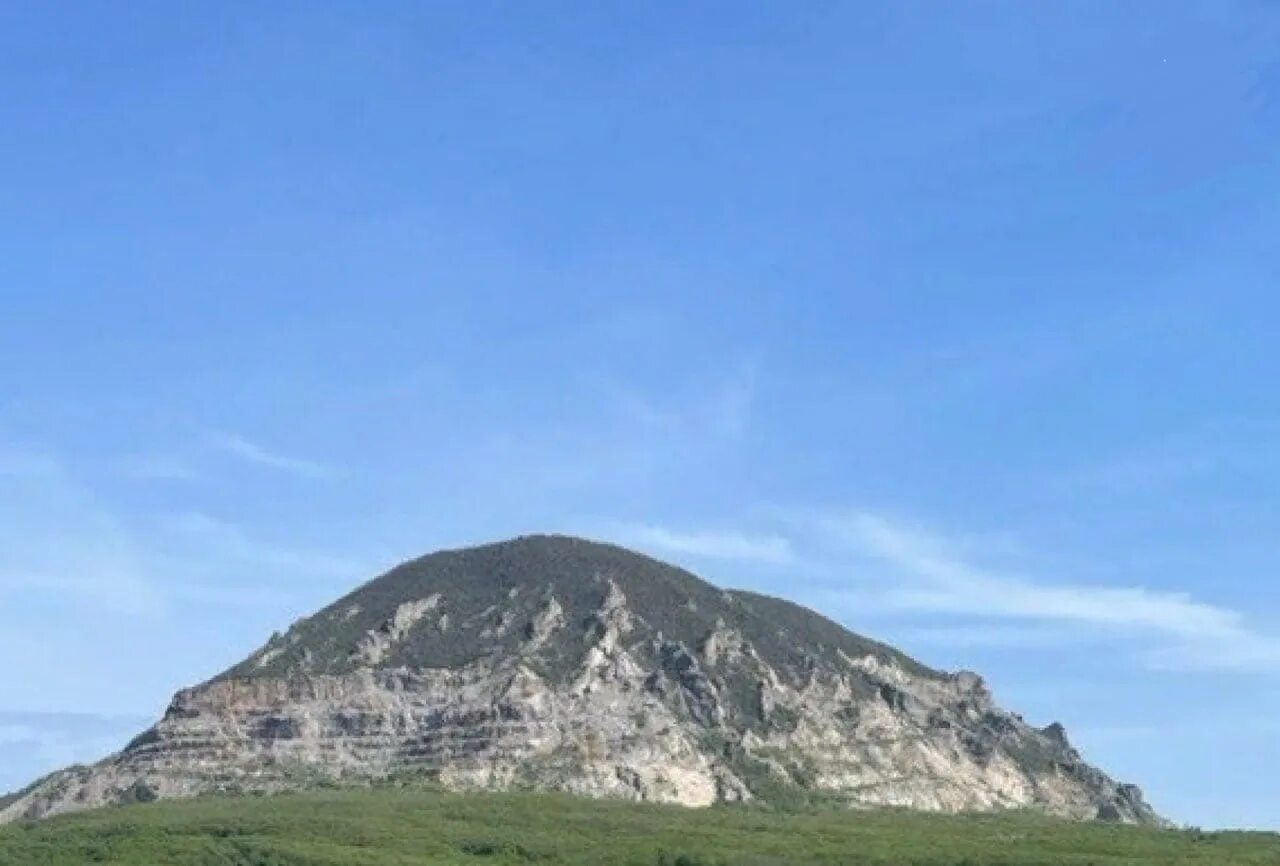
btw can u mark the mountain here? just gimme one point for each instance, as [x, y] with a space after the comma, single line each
[549, 662]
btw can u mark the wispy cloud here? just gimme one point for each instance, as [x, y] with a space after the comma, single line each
[720, 409]
[251, 452]
[1188, 633]
[89, 583]
[64, 548]
[711, 544]
[990, 635]
[1217, 450]
[34, 743]
[226, 540]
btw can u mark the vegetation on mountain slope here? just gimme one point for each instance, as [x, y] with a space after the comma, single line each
[488, 593]
[415, 828]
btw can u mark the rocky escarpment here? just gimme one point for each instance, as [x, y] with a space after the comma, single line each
[557, 663]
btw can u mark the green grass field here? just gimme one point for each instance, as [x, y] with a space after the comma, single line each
[398, 828]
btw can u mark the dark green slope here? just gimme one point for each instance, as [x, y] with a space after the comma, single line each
[489, 594]
[402, 827]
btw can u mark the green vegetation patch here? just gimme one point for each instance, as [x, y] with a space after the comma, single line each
[403, 827]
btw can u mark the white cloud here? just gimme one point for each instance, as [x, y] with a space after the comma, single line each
[1192, 634]
[251, 452]
[712, 544]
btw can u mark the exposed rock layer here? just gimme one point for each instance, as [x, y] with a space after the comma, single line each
[556, 663]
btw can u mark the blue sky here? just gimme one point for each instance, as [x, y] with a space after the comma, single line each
[955, 321]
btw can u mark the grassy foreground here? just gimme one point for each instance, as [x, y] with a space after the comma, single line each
[398, 828]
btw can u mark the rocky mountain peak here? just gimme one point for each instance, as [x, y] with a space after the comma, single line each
[561, 663]
[553, 595]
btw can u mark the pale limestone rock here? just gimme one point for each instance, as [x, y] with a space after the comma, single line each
[545, 623]
[375, 645]
[636, 716]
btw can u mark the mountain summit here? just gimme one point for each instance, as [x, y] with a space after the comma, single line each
[550, 662]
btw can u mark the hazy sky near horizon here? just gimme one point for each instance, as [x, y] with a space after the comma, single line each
[955, 321]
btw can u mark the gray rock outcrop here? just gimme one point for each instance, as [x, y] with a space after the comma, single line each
[561, 664]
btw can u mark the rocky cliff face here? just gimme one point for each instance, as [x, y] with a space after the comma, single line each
[557, 663]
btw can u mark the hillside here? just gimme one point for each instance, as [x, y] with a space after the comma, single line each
[489, 597]
[555, 663]
[415, 828]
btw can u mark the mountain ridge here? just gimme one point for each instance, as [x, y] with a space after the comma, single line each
[581, 563]
[554, 662]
